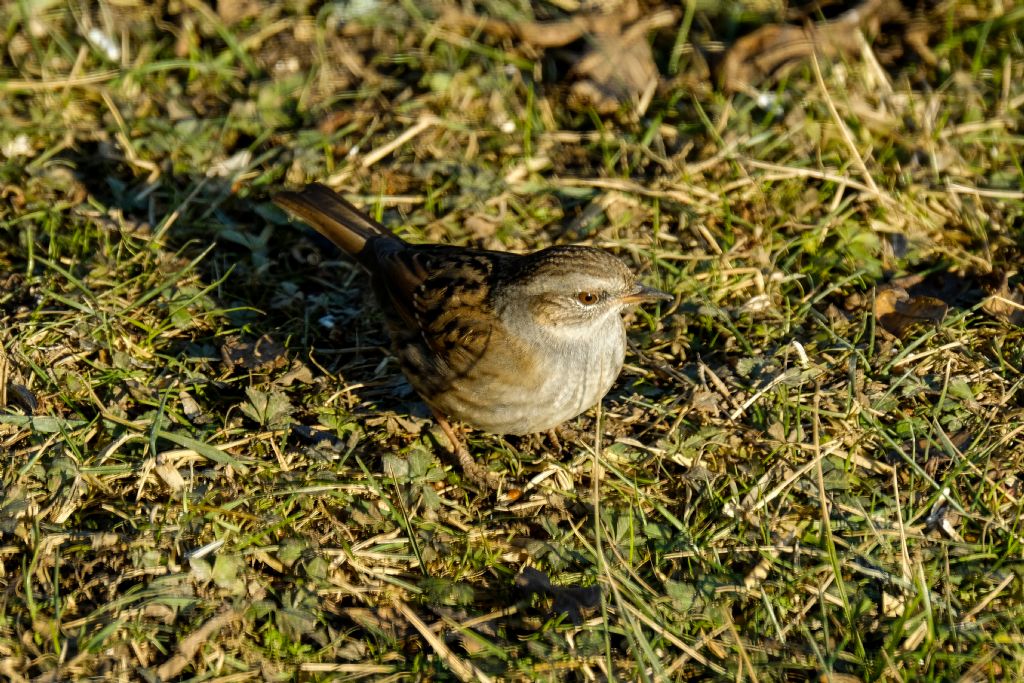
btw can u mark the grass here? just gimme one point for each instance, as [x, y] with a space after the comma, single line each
[211, 468]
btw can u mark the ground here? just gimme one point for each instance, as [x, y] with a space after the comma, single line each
[810, 467]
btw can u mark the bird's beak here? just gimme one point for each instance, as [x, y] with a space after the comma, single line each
[643, 294]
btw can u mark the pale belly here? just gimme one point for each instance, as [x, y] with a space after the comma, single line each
[539, 398]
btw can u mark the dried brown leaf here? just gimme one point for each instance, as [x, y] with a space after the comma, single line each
[706, 403]
[772, 50]
[618, 68]
[298, 372]
[170, 475]
[618, 65]
[897, 312]
[262, 354]
[1007, 303]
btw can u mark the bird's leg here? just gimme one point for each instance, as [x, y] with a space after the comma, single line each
[556, 443]
[472, 469]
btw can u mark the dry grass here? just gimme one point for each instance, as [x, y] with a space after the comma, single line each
[211, 468]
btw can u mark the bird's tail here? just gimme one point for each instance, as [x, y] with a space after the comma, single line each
[333, 216]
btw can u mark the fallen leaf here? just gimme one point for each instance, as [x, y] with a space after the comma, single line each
[191, 408]
[1006, 303]
[299, 372]
[170, 475]
[616, 67]
[706, 402]
[897, 312]
[772, 51]
[270, 409]
[262, 354]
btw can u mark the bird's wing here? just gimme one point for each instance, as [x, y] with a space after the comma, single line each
[443, 293]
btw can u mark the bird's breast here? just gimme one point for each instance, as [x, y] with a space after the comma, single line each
[521, 387]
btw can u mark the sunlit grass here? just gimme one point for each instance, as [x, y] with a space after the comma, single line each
[213, 468]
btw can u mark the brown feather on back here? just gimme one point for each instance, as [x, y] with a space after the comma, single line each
[428, 293]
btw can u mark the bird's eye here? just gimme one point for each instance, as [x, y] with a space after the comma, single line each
[587, 298]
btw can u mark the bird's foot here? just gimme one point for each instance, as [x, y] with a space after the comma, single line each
[473, 470]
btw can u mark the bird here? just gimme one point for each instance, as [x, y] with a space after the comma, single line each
[505, 343]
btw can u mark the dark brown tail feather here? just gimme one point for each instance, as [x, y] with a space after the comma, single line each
[333, 216]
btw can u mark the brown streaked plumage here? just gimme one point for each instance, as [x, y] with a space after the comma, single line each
[507, 343]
